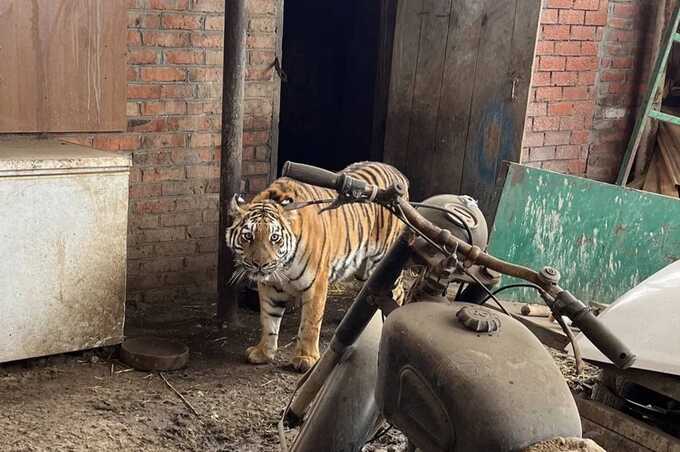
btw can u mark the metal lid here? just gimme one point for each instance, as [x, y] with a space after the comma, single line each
[478, 319]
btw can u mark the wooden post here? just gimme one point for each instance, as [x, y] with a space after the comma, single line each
[235, 23]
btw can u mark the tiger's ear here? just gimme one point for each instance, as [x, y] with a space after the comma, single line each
[235, 209]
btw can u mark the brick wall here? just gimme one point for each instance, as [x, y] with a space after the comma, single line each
[174, 104]
[589, 62]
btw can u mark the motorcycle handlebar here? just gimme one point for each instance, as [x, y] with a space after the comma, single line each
[593, 328]
[312, 175]
[580, 315]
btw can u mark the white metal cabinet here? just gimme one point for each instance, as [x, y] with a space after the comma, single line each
[63, 234]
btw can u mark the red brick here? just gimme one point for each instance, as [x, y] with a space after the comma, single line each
[163, 74]
[254, 138]
[581, 63]
[202, 171]
[625, 10]
[596, 18]
[205, 74]
[559, 3]
[556, 138]
[533, 139]
[176, 91]
[214, 23]
[162, 174]
[587, 78]
[564, 78]
[211, 6]
[132, 109]
[613, 76]
[262, 25]
[571, 17]
[551, 63]
[567, 152]
[184, 56]
[116, 142]
[589, 48]
[580, 137]
[545, 123]
[214, 57]
[142, 20]
[560, 109]
[207, 39]
[545, 48]
[587, 4]
[548, 93]
[261, 7]
[134, 38]
[540, 79]
[572, 123]
[143, 91]
[537, 109]
[556, 32]
[182, 22]
[583, 33]
[568, 48]
[164, 140]
[164, 108]
[132, 73]
[538, 154]
[259, 73]
[549, 16]
[169, 4]
[140, 191]
[622, 62]
[257, 57]
[166, 38]
[576, 93]
[261, 41]
[142, 56]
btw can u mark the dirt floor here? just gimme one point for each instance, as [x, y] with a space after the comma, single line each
[91, 401]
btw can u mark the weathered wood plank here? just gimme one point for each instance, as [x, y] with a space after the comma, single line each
[496, 123]
[456, 99]
[63, 65]
[402, 82]
[427, 92]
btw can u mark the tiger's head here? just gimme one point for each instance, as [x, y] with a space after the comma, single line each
[261, 238]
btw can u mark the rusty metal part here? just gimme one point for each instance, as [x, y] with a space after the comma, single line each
[153, 353]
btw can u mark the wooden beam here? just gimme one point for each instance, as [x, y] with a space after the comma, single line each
[234, 68]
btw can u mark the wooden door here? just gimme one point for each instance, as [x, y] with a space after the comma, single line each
[459, 84]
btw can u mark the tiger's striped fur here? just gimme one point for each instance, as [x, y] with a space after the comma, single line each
[294, 255]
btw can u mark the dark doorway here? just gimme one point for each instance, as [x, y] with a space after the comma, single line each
[330, 57]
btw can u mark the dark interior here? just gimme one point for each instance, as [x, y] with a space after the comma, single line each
[330, 59]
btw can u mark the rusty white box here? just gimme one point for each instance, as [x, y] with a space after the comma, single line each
[63, 234]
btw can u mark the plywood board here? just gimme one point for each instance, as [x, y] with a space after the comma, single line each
[63, 65]
[604, 239]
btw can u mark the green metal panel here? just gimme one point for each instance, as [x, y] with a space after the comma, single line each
[603, 238]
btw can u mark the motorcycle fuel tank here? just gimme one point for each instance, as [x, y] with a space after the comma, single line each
[646, 318]
[462, 377]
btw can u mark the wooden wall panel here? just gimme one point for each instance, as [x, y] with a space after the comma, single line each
[62, 65]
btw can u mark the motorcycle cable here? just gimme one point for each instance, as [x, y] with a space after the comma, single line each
[578, 361]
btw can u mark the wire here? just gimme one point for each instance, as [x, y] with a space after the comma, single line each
[491, 294]
[512, 286]
[450, 212]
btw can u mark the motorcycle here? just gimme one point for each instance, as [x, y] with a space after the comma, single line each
[452, 375]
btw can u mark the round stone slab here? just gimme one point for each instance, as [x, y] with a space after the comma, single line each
[153, 353]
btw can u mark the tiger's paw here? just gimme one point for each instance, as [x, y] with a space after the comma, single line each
[303, 363]
[258, 355]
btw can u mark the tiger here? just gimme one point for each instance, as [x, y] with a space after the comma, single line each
[293, 255]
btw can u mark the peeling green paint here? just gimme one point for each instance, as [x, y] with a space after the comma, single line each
[604, 239]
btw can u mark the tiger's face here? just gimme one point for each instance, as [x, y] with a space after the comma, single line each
[262, 240]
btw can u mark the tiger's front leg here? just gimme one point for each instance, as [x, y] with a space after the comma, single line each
[313, 304]
[272, 306]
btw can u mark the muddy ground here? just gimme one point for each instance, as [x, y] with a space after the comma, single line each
[91, 401]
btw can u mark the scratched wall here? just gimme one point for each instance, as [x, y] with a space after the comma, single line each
[603, 239]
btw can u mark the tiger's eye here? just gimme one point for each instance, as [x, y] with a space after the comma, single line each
[248, 236]
[275, 238]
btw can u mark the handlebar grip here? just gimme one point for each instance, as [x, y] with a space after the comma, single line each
[610, 345]
[311, 175]
[593, 328]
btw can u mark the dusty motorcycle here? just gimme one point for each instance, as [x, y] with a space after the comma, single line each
[452, 375]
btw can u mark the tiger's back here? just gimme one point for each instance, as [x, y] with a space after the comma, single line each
[311, 249]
